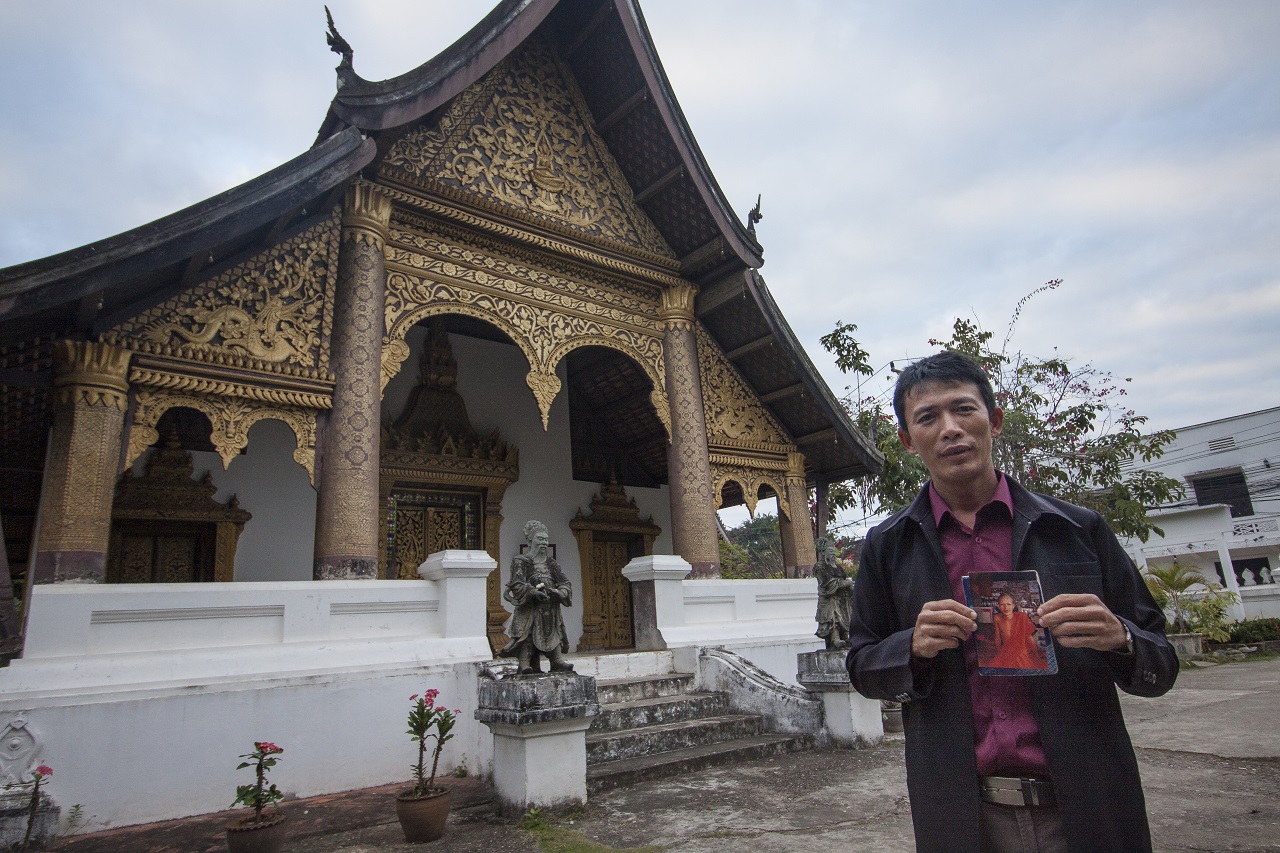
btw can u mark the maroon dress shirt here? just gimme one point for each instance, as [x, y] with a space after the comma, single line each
[1005, 733]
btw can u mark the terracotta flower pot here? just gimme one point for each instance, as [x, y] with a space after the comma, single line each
[423, 818]
[266, 836]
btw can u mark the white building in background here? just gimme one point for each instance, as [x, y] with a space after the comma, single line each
[1228, 524]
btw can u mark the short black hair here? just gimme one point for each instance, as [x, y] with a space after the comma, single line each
[948, 368]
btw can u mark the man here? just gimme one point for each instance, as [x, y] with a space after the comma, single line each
[1003, 763]
[537, 589]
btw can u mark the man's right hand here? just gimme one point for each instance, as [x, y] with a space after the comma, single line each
[942, 625]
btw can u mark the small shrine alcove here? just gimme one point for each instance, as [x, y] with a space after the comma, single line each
[165, 526]
[442, 483]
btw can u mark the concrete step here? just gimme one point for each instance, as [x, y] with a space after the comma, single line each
[614, 691]
[648, 740]
[659, 710]
[619, 665]
[626, 771]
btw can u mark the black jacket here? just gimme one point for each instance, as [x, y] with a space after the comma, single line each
[1087, 747]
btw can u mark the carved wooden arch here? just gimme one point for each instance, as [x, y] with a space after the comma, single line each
[749, 480]
[395, 349]
[231, 418]
[657, 396]
[544, 335]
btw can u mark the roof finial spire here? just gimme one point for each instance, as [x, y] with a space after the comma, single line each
[753, 217]
[339, 45]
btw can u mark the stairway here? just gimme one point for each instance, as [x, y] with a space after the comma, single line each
[652, 726]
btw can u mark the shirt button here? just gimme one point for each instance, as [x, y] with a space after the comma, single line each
[1001, 715]
[977, 539]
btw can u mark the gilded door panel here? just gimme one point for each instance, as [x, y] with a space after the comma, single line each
[617, 608]
[421, 522]
[157, 552]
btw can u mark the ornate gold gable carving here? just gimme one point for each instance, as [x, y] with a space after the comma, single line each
[523, 139]
[547, 314]
[734, 415]
[167, 493]
[748, 446]
[270, 314]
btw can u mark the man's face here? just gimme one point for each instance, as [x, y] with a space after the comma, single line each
[540, 540]
[950, 429]
[1006, 605]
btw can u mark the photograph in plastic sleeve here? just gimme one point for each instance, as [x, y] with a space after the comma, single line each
[1010, 639]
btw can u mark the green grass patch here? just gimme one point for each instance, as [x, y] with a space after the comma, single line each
[559, 839]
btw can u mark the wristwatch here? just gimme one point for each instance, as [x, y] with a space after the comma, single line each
[1128, 639]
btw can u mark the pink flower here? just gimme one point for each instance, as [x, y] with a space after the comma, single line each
[44, 770]
[413, 697]
[266, 747]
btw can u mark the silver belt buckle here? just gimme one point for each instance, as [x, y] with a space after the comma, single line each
[1008, 791]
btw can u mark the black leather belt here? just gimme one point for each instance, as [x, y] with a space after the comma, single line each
[1017, 791]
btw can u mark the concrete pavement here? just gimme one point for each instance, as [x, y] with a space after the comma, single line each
[1209, 753]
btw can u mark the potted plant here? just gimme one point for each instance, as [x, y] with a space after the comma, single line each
[259, 833]
[424, 808]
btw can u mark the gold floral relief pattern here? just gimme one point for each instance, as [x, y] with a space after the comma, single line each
[734, 414]
[270, 313]
[523, 137]
[231, 418]
[546, 315]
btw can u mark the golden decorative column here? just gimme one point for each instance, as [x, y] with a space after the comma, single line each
[693, 514]
[90, 396]
[799, 552]
[347, 506]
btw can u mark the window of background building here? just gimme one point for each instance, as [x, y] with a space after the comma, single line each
[1230, 489]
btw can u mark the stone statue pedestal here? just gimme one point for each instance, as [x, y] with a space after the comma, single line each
[15, 810]
[539, 725]
[849, 718]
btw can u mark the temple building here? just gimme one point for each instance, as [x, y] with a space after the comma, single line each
[503, 285]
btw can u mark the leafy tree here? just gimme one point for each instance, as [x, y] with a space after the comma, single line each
[735, 562]
[1067, 431]
[761, 540]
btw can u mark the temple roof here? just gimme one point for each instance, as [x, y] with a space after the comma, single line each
[607, 46]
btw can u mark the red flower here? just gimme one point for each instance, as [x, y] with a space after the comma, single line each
[44, 770]
[413, 697]
[266, 747]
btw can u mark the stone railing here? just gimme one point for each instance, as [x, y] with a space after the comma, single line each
[1255, 526]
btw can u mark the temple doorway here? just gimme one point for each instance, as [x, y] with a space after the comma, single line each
[611, 535]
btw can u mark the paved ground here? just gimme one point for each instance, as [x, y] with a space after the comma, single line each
[1209, 754]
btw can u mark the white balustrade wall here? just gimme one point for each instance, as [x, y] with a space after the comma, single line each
[142, 697]
[768, 622]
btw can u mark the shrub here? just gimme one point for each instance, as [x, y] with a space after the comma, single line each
[1207, 613]
[1255, 630]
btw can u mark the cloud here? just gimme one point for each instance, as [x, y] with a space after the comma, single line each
[918, 160]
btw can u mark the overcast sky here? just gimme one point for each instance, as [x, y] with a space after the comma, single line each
[918, 161]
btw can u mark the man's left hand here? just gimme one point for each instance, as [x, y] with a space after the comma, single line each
[1082, 621]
